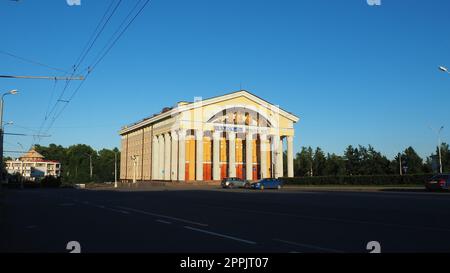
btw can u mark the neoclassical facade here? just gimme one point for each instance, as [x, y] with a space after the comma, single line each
[234, 135]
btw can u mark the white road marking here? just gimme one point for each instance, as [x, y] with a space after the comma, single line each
[163, 216]
[221, 235]
[309, 246]
[106, 208]
[119, 211]
[164, 222]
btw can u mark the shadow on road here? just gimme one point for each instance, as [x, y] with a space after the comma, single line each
[414, 190]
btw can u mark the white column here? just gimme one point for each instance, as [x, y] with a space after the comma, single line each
[199, 155]
[174, 166]
[280, 159]
[232, 154]
[182, 155]
[290, 156]
[216, 156]
[263, 154]
[167, 154]
[161, 157]
[278, 149]
[249, 155]
[155, 158]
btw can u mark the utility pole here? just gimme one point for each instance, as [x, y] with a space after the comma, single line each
[90, 165]
[115, 169]
[439, 149]
[400, 163]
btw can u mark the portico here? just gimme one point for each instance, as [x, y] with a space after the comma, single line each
[235, 135]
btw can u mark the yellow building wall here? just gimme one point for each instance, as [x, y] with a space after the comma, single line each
[135, 147]
[123, 157]
[255, 150]
[239, 151]
[223, 150]
[190, 158]
[207, 150]
[147, 156]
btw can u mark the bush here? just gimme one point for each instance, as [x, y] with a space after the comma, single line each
[366, 180]
[51, 182]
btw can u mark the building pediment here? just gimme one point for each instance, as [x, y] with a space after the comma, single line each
[210, 107]
[241, 98]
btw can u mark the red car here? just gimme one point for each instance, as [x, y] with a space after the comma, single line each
[438, 182]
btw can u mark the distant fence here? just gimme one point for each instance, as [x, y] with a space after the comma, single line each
[366, 180]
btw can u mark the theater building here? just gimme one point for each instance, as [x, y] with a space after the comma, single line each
[234, 135]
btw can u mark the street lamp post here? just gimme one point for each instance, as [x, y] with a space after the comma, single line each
[12, 92]
[135, 159]
[445, 70]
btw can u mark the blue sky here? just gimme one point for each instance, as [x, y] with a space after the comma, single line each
[354, 73]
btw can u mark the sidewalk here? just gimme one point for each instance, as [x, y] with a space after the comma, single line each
[287, 188]
[410, 188]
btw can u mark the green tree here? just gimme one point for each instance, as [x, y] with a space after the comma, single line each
[78, 165]
[412, 161]
[335, 165]
[319, 162]
[105, 165]
[373, 162]
[304, 162]
[352, 160]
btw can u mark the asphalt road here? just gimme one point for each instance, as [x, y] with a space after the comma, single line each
[216, 220]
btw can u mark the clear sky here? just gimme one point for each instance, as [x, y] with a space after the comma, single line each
[354, 73]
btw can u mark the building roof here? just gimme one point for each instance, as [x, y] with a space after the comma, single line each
[186, 105]
[31, 154]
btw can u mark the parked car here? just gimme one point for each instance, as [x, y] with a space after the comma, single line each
[268, 183]
[438, 182]
[234, 182]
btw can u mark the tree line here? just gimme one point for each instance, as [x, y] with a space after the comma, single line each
[76, 165]
[363, 160]
[358, 160]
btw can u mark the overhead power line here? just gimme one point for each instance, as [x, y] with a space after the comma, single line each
[96, 34]
[19, 134]
[33, 62]
[91, 44]
[108, 49]
[120, 35]
[78, 78]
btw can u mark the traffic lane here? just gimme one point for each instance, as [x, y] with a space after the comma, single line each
[425, 213]
[332, 233]
[41, 223]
